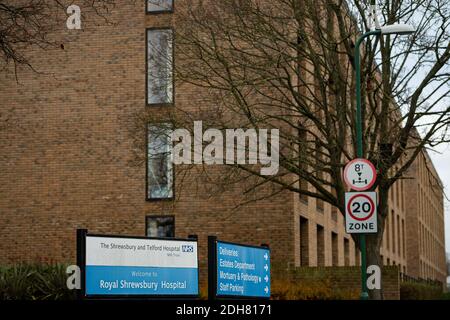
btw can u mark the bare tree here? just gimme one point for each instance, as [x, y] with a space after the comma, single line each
[25, 24]
[288, 64]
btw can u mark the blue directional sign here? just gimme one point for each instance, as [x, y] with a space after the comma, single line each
[130, 266]
[242, 270]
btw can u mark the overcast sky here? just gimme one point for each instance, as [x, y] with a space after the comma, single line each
[442, 163]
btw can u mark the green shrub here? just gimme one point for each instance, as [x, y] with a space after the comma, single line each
[34, 282]
[420, 291]
[445, 296]
[317, 289]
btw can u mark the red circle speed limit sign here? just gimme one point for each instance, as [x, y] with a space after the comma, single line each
[360, 207]
[360, 174]
[360, 212]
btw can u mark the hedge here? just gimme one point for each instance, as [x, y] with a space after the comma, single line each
[317, 289]
[421, 291]
[35, 282]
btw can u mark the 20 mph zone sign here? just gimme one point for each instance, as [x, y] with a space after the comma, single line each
[361, 212]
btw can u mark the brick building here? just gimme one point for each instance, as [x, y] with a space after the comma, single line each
[394, 244]
[448, 270]
[425, 220]
[66, 155]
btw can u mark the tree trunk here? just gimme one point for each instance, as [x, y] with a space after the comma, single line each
[373, 241]
[373, 258]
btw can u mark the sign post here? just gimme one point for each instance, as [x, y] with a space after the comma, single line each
[121, 266]
[361, 212]
[212, 267]
[238, 271]
[360, 174]
[81, 259]
[360, 208]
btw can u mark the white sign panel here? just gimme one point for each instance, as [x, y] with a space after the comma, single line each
[139, 266]
[361, 212]
[360, 174]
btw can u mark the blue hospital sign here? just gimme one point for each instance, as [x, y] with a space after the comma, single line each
[137, 266]
[243, 270]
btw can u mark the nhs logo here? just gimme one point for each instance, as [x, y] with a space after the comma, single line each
[187, 248]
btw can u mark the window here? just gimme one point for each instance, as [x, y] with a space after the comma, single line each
[304, 242]
[334, 249]
[159, 163]
[157, 6]
[160, 226]
[319, 173]
[421, 269]
[399, 237]
[159, 66]
[320, 246]
[346, 252]
[320, 205]
[388, 231]
[397, 191]
[303, 152]
[403, 238]
[402, 195]
[392, 224]
[334, 214]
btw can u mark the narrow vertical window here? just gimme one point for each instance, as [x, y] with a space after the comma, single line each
[156, 6]
[159, 66]
[320, 246]
[304, 242]
[319, 173]
[388, 232]
[334, 249]
[347, 252]
[303, 152]
[160, 226]
[393, 224]
[399, 241]
[159, 163]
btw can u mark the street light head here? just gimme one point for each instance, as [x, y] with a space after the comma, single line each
[399, 29]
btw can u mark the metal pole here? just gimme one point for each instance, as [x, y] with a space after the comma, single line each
[212, 267]
[81, 261]
[359, 152]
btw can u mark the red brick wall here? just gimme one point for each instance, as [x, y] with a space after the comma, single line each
[67, 152]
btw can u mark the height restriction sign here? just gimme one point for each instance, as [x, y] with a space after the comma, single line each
[360, 174]
[361, 212]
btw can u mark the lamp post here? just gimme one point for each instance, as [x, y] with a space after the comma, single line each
[398, 29]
